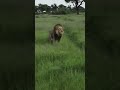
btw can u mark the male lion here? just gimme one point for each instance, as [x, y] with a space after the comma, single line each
[56, 33]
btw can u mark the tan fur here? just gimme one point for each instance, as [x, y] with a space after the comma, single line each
[58, 28]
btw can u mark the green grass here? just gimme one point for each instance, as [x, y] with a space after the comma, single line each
[60, 66]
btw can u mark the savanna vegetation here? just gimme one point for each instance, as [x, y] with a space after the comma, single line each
[60, 66]
[60, 9]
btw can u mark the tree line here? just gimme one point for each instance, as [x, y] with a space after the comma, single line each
[60, 9]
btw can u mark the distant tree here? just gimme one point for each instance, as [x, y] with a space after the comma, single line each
[37, 10]
[62, 9]
[54, 7]
[43, 7]
[77, 3]
[61, 6]
[69, 6]
[48, 9]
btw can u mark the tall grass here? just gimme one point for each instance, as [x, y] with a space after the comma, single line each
[60, 66]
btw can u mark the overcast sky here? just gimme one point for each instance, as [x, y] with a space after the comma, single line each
[58, 2]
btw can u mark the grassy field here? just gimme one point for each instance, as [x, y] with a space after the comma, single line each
[60, 66]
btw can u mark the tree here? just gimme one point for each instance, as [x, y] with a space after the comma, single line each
[37, 10]
[61, 6]
[69, 6]
[43, 7]
[54, 7]
[77, 3]
[62, 9]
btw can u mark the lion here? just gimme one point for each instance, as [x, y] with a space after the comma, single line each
[56, 33]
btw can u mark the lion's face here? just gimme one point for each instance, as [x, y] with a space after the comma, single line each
[59, 30]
